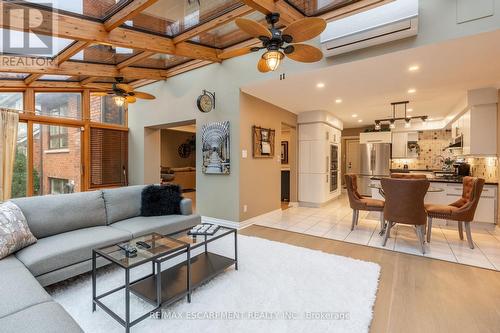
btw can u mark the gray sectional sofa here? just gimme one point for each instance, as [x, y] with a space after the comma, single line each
[67, 228]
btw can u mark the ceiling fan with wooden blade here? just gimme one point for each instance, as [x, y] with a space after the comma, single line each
[123, 92]
[280, 43]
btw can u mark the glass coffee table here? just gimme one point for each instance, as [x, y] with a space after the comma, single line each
[201, 266]
[160, 247]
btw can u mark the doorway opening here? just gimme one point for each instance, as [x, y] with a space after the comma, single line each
[288, 158]
[178, 157]
[351, 157]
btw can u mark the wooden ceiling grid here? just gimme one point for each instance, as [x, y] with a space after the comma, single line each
[112, 32]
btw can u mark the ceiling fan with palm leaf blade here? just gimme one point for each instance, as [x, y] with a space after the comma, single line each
[123, 92]
[275, 40]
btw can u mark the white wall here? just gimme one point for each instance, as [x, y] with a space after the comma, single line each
[218, 196]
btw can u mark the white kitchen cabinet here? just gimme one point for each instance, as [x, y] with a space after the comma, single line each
[400, 142]
[316, 175]
[478, 124]
[375, 137]
[478, 128]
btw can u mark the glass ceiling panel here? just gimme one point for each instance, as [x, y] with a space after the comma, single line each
[13, 76]
[172, 17]
[104, 54]
[98, 9]
[48, 77]
[228, 34]
[318, 7]
[161, 61]
[29, 44]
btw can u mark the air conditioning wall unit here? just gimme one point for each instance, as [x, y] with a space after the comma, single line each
[393, 21]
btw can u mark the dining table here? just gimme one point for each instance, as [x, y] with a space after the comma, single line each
[378, 186]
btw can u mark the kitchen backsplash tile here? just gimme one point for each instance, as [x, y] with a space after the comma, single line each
[431, 156]
[431, 153]
[484, 167]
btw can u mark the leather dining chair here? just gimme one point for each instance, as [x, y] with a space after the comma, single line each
[462, 210]
[408, 176]
[359, 202]
[404, 203]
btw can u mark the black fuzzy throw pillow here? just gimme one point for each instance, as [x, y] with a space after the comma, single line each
[158, 200]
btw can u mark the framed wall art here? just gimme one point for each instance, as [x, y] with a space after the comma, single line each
[263, 142]
[215, 140]
[284, 152]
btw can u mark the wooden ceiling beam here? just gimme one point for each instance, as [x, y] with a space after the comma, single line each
[263, 6]
[186, 67]
[88, 80]
[70, 51]
[22, 64]
[32, 78]
[288, 14]
[132, 60]
[217, 22]
[239, 49]
[19, 84]
[126, 13]
[69, 27]
[60, 58]
[139, 83]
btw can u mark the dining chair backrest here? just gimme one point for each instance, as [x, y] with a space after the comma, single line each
[351, 182]
[404, 200]
[408, 175]
[467, 204]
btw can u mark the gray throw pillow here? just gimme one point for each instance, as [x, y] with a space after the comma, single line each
[14, 231]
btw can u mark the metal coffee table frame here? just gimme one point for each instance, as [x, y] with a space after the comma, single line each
[96, 299]
[201, 267]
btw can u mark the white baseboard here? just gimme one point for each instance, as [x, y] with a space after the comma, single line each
[225, 223]
[239, 225]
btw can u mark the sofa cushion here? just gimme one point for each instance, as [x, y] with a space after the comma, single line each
[54, 214]
[14, 231]
[68, 248]
[18, 288]
[48, 317]
[159, 200]
[123, 203]
[139, 226]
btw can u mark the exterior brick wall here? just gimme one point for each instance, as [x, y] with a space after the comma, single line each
[64, 163]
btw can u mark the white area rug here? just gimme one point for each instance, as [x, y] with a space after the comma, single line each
[320, 291]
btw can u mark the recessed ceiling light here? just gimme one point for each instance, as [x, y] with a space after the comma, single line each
[409, 110]
[413, 68]
[412, 91]
[360, 120]
[320, 85]
[338, 100]
[354, 115]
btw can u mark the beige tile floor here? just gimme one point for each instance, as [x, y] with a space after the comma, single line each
[334, 221]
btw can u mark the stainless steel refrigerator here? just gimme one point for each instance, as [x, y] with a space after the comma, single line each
[375, 161]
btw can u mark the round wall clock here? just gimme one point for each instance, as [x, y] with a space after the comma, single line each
[184, 150]
[206, 101]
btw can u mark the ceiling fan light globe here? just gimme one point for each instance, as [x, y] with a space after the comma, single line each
[119, 100]
[273, 59]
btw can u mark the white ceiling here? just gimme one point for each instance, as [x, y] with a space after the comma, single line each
[367, 87]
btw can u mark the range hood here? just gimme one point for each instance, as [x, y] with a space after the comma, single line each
[456, 143]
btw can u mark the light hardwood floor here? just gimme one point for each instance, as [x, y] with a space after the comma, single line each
[416, 294]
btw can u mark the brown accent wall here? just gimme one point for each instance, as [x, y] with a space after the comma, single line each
[170, 142]
[260, 179]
